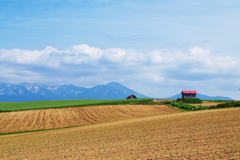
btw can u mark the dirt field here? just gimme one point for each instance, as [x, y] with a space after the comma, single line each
[206, 104]
[65, 117]
[208, 134]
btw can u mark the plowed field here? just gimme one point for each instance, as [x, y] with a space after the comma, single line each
[208, 134]
[65, 117]
[206, 104]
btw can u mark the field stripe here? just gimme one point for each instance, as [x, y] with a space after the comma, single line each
[207, 134]
[66, 117]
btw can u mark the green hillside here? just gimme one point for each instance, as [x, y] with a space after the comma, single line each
[18, 106]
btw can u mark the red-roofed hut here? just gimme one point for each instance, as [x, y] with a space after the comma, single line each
[131, 97]
[189, 94]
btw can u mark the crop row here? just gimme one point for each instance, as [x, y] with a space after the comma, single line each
[33, 120]
[209, 134]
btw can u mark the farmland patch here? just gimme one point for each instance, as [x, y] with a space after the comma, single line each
[66, 117]
[207, 104]
[207, 134]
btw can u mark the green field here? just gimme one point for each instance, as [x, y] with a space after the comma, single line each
[18, 106]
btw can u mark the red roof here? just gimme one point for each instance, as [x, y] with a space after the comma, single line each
[131, 96]
[189, 92]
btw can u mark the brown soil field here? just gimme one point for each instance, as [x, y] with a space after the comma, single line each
[208, 134]
[163, 100]
[66, 117]
[208, 104]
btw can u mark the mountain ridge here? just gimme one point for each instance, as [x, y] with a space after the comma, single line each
[37, 92]
[201, 96]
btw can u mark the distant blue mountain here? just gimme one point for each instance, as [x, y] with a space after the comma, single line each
[39, 92]
[203, 97]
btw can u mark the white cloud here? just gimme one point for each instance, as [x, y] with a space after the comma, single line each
[28, 57]
[155, 57]
[92, 53]
[85, 65]
[19, 75]
[198, 59]
[115, 54]
[155, 77]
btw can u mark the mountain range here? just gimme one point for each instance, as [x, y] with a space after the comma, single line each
[201, 96]
[38, 92]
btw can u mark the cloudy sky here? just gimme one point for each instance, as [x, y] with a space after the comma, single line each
[155, 47]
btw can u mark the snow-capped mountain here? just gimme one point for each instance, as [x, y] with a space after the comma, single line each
[37, 92]
[112, 90]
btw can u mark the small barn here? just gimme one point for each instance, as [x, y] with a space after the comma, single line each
[131, 97]
[189, 94]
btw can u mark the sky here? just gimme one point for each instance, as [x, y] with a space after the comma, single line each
[155, 47]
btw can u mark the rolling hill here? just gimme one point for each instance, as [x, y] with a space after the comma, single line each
[208, 134]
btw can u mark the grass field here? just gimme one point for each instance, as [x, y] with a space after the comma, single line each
[207, 134]
[18, 106]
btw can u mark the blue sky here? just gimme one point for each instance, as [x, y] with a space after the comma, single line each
[154, 47]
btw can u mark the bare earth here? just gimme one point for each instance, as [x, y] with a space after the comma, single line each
[206, 104]
[208, 134]
[66, 117]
